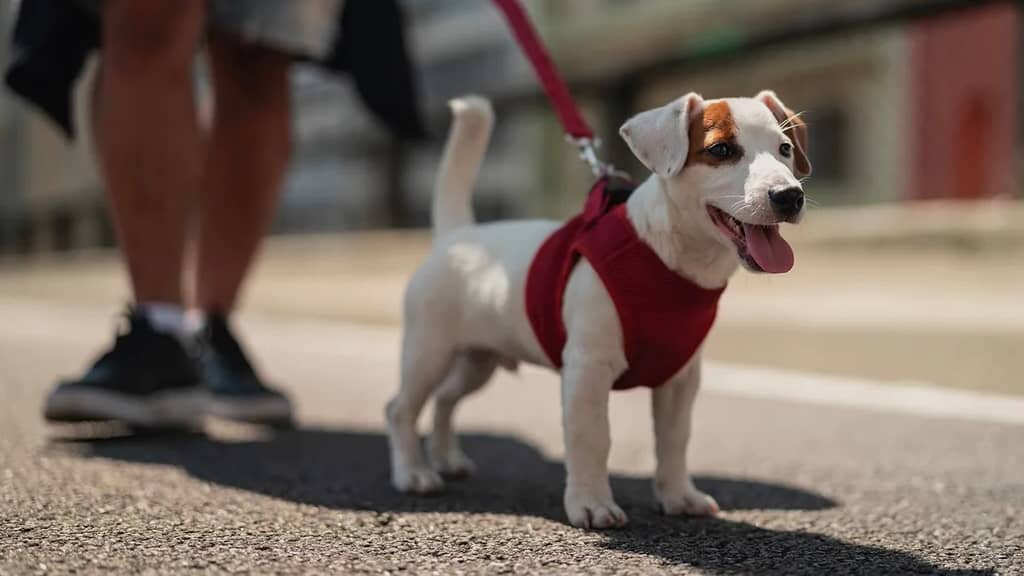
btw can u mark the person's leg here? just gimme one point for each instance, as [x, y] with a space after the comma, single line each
[248, 152]
[149, 150]
[147, 135]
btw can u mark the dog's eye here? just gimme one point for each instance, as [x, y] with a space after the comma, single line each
[720, 150]
[786, 149]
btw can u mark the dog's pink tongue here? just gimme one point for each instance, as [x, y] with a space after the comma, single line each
[768, 249]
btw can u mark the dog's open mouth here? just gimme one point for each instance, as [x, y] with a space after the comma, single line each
[761, 247]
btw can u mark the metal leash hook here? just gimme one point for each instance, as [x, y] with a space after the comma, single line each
[587, 148]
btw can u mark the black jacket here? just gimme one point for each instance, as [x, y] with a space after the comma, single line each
[53, 38]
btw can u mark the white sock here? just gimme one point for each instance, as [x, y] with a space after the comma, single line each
[165, 318]
[195, 321]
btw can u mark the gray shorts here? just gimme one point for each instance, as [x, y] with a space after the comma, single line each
[301, 27]
[306, 27]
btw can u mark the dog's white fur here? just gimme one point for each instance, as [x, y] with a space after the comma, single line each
[465, 306]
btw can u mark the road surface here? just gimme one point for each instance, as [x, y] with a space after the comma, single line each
[814, 475]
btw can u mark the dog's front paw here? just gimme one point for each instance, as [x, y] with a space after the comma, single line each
[453, 463]
[586, 509]
[416, 480]
[685, 499]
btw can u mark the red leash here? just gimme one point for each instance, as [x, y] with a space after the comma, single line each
[575, 126]
[569, 114]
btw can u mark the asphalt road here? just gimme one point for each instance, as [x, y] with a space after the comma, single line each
[806, 488]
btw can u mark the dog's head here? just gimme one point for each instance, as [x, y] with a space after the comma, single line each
[743, 158]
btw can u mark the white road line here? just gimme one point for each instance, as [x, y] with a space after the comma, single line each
[25, 319]
[899, 397]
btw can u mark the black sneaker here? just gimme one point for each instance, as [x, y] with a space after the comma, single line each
[236, 392]
[148, 379]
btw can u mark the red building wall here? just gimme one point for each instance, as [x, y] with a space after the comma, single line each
[964, 102]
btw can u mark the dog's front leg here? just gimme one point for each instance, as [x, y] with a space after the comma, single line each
[672, 405]
[586, 385]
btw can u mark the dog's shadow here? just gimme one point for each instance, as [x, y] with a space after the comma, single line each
[349, 470]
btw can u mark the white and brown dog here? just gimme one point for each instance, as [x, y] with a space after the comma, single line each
[726, 173]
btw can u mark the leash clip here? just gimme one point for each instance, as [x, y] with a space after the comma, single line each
[587, 148]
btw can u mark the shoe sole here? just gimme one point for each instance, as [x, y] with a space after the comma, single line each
[264, 410]
[169, 409]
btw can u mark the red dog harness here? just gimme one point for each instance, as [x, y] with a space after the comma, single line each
[664, 317]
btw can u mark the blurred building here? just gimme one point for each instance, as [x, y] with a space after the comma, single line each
[906, 99]
[877, 79]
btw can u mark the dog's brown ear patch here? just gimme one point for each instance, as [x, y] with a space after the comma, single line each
[795, 129]
[713, 125]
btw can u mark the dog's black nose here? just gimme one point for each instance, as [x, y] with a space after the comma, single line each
[787, 202]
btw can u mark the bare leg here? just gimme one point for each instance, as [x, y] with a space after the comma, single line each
[147, 135]
[672, 406]
[248, 154]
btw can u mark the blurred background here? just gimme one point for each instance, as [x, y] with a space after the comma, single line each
[910, 266]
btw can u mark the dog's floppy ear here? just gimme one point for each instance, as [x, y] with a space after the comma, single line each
[795, 128]
[658, 137]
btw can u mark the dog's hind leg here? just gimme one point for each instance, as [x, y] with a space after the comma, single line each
[426, 358]
[469, 372]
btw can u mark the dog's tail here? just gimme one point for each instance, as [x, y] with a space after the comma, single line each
[470, 132]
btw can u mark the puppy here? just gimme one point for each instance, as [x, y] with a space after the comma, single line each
[726, 173]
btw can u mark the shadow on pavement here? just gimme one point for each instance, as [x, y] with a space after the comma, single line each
[727, 547]
[349, 470]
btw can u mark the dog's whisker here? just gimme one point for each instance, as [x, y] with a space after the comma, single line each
[738, 200]
[790, 121]
[790, 126]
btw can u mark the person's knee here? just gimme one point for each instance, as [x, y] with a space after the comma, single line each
[151, 38]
